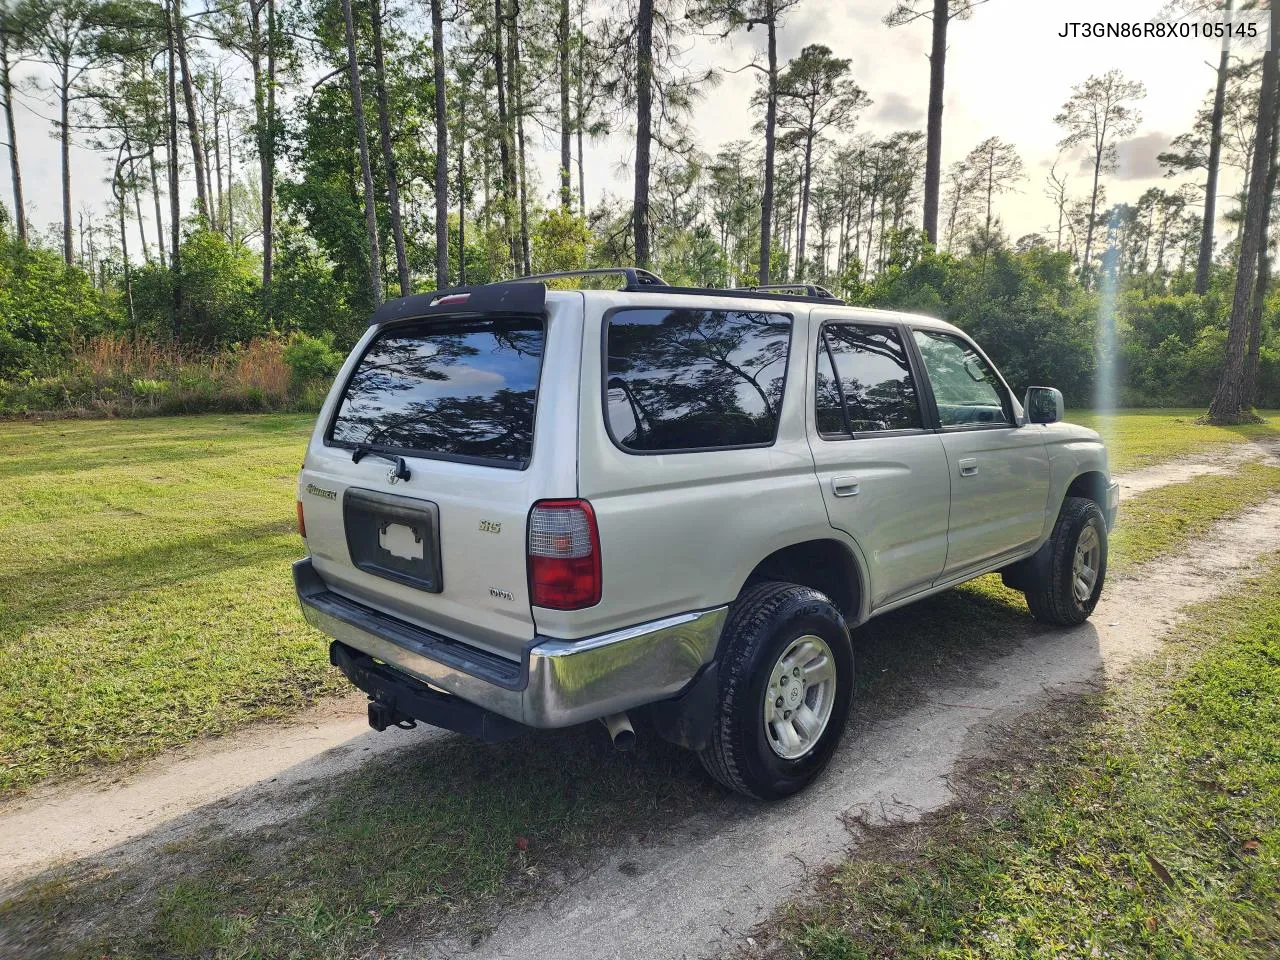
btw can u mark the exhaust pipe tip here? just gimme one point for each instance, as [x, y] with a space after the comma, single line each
[621, 732]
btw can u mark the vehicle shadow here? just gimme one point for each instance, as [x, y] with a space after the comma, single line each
[427, 838]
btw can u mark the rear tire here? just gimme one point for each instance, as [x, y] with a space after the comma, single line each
[1063, 585]
[786, 686]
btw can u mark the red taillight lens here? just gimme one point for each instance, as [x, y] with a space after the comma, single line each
[302, 522]
[564, 555]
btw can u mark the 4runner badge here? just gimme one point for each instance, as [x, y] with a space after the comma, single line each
[321, 492]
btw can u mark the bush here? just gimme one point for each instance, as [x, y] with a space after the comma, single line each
[310, 360]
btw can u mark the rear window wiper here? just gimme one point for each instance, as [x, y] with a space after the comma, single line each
[363, 450]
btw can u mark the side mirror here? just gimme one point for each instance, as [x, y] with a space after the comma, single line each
[1043, 405]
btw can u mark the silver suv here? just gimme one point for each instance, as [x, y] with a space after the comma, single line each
[533, 508]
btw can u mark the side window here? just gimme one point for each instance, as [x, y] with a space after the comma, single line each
[864, 382]
[967, 390]
[679, 379]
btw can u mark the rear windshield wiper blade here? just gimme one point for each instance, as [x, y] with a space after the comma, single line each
[363, 450]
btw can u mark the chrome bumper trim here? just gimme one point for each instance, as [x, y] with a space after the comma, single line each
[568, 681]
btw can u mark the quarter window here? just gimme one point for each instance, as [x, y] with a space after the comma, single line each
[966, 388]
[679, 379]
[864, 382]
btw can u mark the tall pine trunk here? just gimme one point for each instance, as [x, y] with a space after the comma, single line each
[15, 167]
[933, 136]
[175, 200]
[515, 101]
[1230, 403]
[189, 101]
[770, 144]
[581, 107]
[644, 110]
[1254, 345]
[388, 149]
[362, 139]
[566, 150]
[64, 138]
[1205, 259]
[505, 146]
[805, 184]
[442, 147]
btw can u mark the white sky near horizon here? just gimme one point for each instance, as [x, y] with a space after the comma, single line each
[1008, 74]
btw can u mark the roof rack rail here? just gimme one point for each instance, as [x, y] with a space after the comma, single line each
[636, 276]
[805, 289]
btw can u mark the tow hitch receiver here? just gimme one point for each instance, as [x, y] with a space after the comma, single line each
[382, 716]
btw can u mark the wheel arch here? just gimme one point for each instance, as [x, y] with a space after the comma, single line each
[825, 564]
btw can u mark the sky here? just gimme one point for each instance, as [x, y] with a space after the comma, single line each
[1008, 74]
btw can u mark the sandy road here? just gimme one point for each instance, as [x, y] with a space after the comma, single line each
[679, 896]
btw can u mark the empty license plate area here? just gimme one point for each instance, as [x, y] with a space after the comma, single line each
[394, 537]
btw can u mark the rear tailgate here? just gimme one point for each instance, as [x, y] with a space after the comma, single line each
[483, 411]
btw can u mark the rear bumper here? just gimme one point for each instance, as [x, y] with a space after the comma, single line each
[557, 683]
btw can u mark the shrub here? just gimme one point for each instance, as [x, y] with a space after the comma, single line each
[310, 359]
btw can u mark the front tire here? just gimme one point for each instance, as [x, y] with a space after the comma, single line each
[786, 686]
[1065, 584]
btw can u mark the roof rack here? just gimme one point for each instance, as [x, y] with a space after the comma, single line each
[807, 289]
[527, 295]
[637, 277]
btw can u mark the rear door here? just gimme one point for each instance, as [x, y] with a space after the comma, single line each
[999, 470]
[882, 470]
[480, 409]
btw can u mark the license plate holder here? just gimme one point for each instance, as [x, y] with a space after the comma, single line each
[397, 538]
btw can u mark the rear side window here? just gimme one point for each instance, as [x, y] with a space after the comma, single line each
[679, 379]
[864, 382]
[465, 390]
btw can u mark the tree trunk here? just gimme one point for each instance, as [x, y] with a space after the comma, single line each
[1254, 346]
[388, 150]
[1230, 403]
[119, 190]
[231, 182]
[515, 101]
[64, 138]
[581, 119]
[1205, 260]
[805, 185]
[505, 146]
[462, 185]
[442, 148]
[644, 107]
[189, 101]
[1093, 215]
[362, 138]
[15, 168]
[155, 195]
[566, 151]
[933, 141]
[175, 200]
[770, 143]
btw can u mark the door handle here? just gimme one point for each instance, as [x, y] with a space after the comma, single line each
[968, 467]
[844, 486]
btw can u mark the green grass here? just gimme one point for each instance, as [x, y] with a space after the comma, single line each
[1144, 822]
[1140, 438]
[1168, 519]
[145, 593]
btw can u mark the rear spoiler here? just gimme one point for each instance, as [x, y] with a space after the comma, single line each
[512, 297]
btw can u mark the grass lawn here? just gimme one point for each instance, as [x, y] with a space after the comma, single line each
[1139, 438]
[145, 596]
[1143, 822]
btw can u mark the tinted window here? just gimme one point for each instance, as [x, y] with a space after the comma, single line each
[871, 383]
[466, 389]
[966, 388]
[694, 379]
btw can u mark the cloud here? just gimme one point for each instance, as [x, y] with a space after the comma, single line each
[894, 109]
[1138, 156]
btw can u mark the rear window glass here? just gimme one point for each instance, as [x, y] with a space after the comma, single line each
[464, 390]
[694, 379]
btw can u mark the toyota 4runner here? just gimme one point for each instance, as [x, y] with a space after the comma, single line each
[533, 508]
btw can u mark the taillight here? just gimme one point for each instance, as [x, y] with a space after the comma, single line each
[302, 522]
[564, 555]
